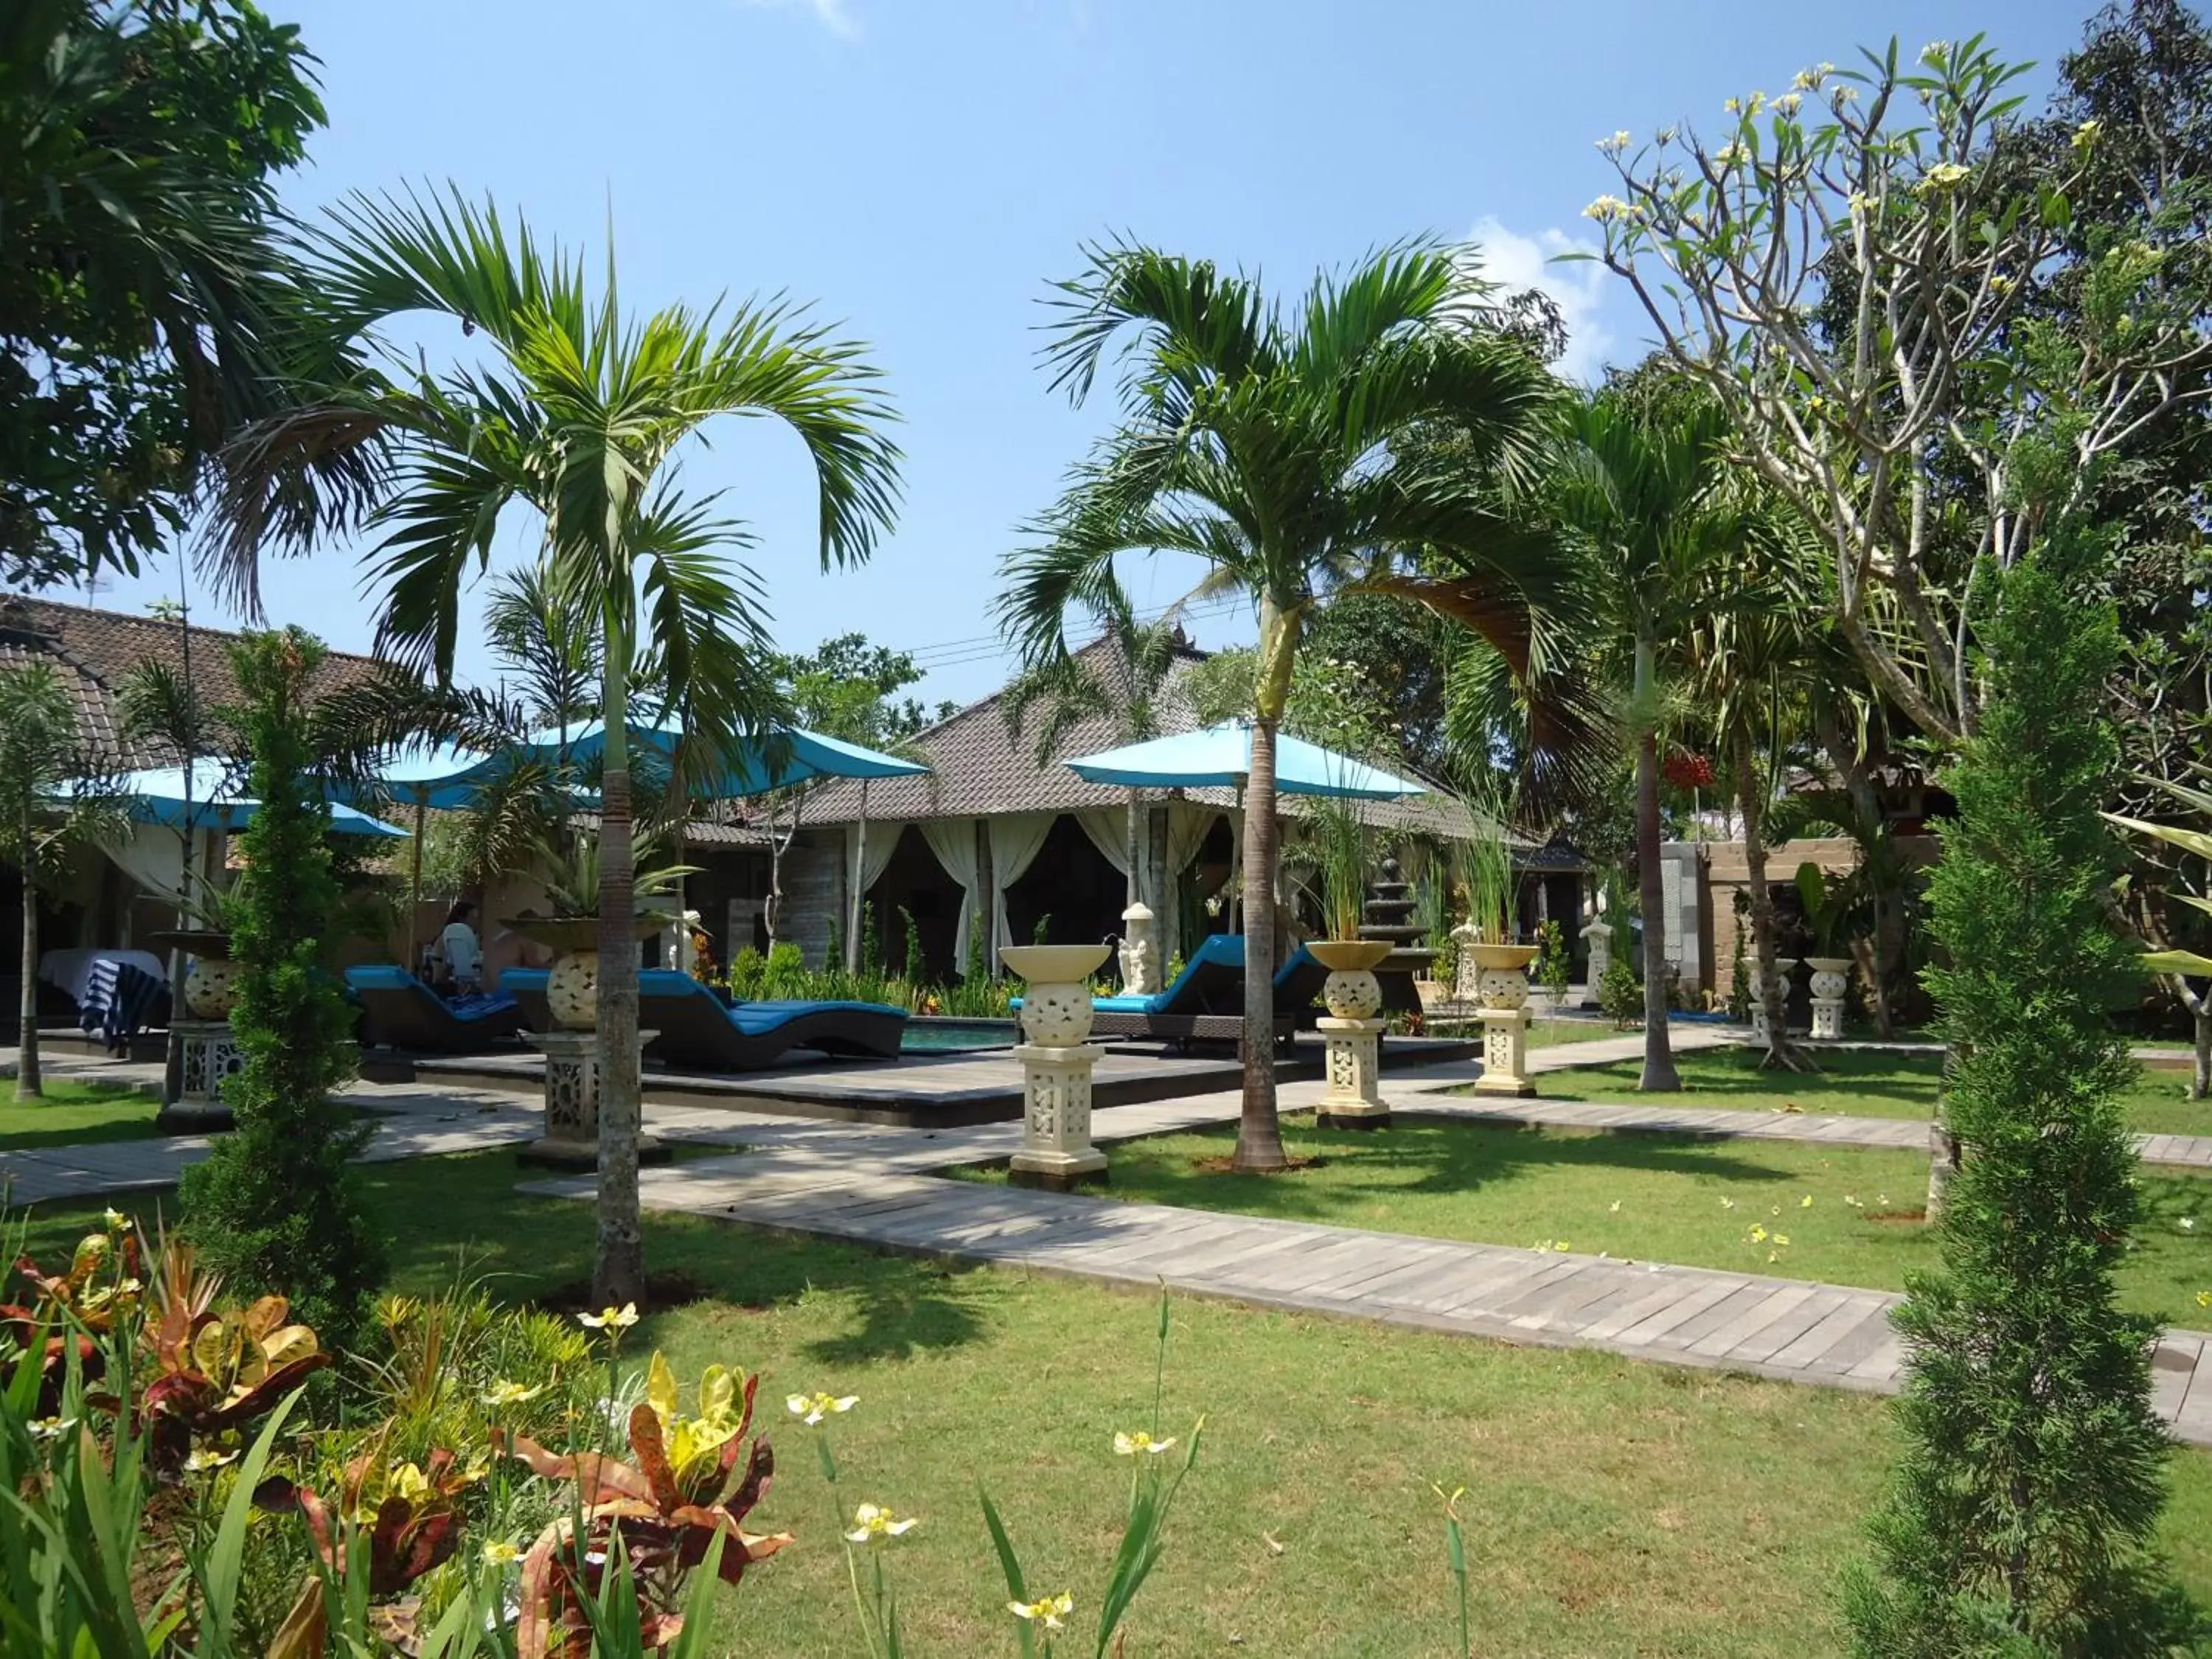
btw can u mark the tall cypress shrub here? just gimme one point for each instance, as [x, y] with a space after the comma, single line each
[2033, 1470]
[277, 1206]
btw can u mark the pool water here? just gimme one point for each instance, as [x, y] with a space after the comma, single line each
[951, 1037]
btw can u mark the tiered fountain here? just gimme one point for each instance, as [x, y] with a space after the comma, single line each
[1388, 917]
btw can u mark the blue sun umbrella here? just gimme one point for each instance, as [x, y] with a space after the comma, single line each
[157, 795]
[1220, 757]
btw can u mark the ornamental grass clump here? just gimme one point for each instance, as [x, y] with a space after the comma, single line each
[2021, 1518]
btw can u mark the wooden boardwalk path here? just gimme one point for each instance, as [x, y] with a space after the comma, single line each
[1831, 1335]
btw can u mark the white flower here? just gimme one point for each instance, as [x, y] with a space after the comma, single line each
[1788, 102]
[871, 1522]
[1606, 208]
[1943, 175]
[1128, 1445]
[1935, 53]
[1730, 155]
[1615, 144]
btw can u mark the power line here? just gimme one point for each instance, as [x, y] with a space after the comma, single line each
[983, 648]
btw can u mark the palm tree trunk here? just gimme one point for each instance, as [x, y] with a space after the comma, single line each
[1751, 801]
[27, 1083]
[1136, 839]
[1259, 1131]
[618, 1273]
[858, 897]
[1659, 1074]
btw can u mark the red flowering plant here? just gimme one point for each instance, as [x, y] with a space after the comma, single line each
[1687, 770]
[216, 1372]
[692, 1481]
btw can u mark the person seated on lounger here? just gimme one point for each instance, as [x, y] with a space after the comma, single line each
[461, 952]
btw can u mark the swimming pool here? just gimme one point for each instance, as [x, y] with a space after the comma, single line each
[949, 1037]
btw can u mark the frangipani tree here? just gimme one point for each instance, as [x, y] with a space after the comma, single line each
[1851, 268]
[1271, 446]
[578, 413]
[2178, 967]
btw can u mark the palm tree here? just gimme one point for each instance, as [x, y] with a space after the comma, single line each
[50, 805]
[579, 414]
[1263, 444]
[1642, 486]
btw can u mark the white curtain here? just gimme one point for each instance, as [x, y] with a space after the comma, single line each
[1108, 829]
[953, 842]
[1187, 828]
[1015, 843]
[864, 867]
[152, 856]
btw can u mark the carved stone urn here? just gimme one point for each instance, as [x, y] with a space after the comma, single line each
[572, 985]
[1501, 974]
[1056, 1004]
[1831, 982]
[211, 982]
[1350, 991]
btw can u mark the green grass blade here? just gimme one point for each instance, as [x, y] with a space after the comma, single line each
[220, 1571]
[1010, 1562]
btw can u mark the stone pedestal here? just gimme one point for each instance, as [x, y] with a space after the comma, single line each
[211, 1055]
[1056, 1151]
[1505, 1053]
[1831, 984]
[1056, 1064]
[1352, 1098]
[571, 1140]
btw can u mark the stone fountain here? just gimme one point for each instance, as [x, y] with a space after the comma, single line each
[1388, 917]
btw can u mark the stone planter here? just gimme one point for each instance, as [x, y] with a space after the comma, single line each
[1831, 983]
[1351, 1034]
[1056, 1064]
[572, 986]
[1501, 974]
[1351, 991]
[1782, 967]
[211, 982]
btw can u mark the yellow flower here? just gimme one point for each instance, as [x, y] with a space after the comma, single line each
[2087, 134]
[498, 1552]
[1788, 102]
[2204, 1298]
[505, 1393]
[50, 1428]
[813, 1408]
[1943, 175]
[1734, 105]
[1050, 1612]
[1128, 1445]
[1782, 1238]
[1615, 144]
[1613, 1208]
[1562, 1247]
[1758, 1234]
[1852, 1199]
[1727, 1204]
[2187, 1223]
[1806, 1202]
[871, 1522]
[1730, 155]
[116, 1220]
[204, 1461]
[618, 1319]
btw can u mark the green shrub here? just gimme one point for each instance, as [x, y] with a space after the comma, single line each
[2021, 1515]
[747, 970]
[914, 974]
[1555, 967]
[1620, 993]
[277, 1206]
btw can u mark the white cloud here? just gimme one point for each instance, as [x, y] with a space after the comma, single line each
[836, 15]
[1516, 262]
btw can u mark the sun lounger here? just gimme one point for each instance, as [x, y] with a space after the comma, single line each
[527, 987]
[1205, 1004]
[697, 1031]
[402, 1012]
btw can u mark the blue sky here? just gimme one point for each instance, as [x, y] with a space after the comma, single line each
[922, 169]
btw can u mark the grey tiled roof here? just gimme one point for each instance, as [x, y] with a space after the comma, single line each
[98, 650]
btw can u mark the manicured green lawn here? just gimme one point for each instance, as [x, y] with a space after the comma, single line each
[74, 1113]
[1646, 1197]
[1548, 1033]
[1612, 1507]
[1852, 1081]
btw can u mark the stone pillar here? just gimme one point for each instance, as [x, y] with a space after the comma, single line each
[1141, 958]
[1056, 1065]
[1505, 1053]
[571, 1139]
[1598, 936]
[1465, 981]
[211, 1053]
[1352, 1098]
[1830, 983]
